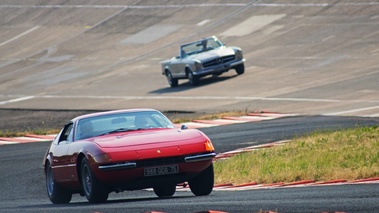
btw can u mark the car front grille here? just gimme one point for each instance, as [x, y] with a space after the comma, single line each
[160, 161]
[219, 61]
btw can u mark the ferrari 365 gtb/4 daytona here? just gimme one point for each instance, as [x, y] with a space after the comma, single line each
[112, 151]
[208, 56]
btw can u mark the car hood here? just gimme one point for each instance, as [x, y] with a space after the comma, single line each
[144, 137]
[212, 54]
[143, 144]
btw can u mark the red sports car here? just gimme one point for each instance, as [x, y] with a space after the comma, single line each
[99, 153]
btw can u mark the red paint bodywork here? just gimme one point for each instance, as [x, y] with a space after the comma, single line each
[144, 147]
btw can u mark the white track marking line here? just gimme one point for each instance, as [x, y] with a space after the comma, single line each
[17, 100]
[203, 22]
[246, 98]
[19, 36]
[352, 111]
[210, 98]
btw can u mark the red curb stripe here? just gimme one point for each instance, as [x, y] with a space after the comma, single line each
[260, 114]
[184, 185]
[247, 184]
[276, 115]
[19, 140]
[332, 181]
[216, 122]
[244, 118]
[264, 146]
[50, 137]
[9, 139]
[274, 184]
[299, 182]
[219, 156]
[223, 185]
[366, 179]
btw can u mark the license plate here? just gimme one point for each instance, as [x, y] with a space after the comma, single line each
[162, 170]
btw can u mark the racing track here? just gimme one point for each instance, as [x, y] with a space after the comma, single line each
[23, 189]
[309, 57]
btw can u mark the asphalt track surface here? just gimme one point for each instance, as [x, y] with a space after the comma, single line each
[314, 58]
[23, 189]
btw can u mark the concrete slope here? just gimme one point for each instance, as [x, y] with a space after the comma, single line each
[308, 57]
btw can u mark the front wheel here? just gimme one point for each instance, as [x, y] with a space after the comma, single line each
[165, 190]
[240, 69]
[203, 183]
[56, 193]
[193, 79]
[173, 82]
[93, 189]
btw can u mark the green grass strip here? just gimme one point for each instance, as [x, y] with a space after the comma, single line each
[322, 156]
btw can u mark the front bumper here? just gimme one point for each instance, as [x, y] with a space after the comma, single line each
[219, 68]
[165, 161]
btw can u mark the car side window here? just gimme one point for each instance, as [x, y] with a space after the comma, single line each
[66, 134]
[70, 135]
[183, 54]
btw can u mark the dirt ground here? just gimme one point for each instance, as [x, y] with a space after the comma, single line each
[14, 120]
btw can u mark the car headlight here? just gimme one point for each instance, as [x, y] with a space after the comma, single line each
[198, 65]
[102, 158]
[239, 55]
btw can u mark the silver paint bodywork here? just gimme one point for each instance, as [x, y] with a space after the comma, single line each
[208, 56]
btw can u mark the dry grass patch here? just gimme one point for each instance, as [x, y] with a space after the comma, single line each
[346, 154]
[211, 116]
[23, 133]
[174, 120]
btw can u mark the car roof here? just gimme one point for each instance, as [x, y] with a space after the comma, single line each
[112, 112]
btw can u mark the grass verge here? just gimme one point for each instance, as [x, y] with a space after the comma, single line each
[23, 133]
[210, 116]
[347, 154]
[39, 131]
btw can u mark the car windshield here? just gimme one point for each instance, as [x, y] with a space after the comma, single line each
[120, 122]
[200, 46]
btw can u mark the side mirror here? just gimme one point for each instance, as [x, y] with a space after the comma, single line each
[183, 127]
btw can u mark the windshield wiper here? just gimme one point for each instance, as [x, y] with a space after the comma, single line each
[116, 130]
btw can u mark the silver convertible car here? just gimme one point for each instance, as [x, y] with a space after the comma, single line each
[208, 56]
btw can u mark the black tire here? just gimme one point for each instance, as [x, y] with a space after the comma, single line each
[165, 190]
[173, 82]
[203, 183]
[56, 193]
[93, 189]
[193, 79]
[240, 69]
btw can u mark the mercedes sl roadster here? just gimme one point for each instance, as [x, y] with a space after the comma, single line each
[208, 56]
[113, 151]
